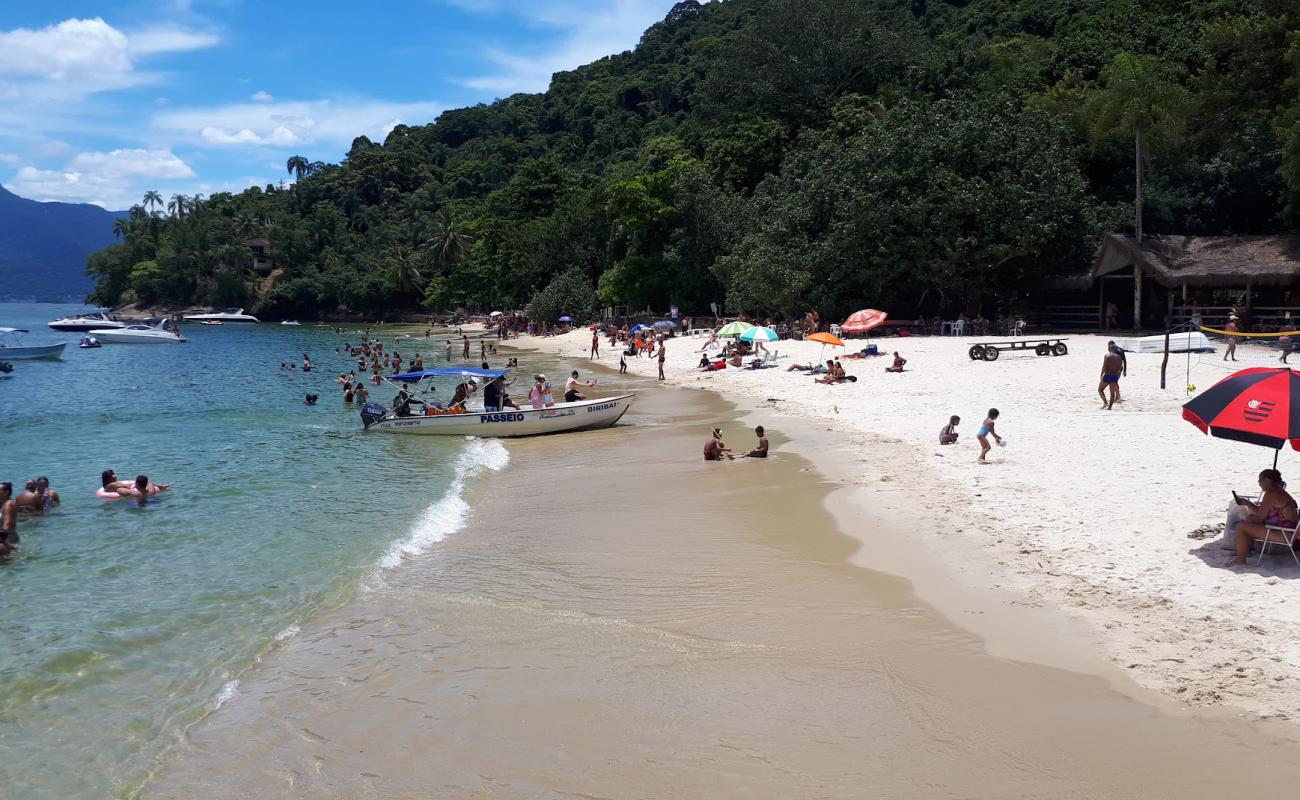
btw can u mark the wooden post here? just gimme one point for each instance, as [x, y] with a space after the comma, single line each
[1137, 296]
[1169, 319]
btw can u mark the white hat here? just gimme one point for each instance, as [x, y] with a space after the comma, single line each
[473, 381]
[540, 377]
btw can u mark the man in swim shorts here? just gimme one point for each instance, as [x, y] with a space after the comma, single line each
[1111, 367]
[8, 519]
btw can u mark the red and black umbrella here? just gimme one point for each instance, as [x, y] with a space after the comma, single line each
[1260, 405]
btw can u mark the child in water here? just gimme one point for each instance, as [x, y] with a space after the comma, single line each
[986, 430]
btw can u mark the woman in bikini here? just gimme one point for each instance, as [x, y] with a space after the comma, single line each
[1276, 508]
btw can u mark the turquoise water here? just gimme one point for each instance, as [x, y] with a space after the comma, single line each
[123, 625]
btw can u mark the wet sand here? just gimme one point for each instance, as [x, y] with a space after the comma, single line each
[624, 620]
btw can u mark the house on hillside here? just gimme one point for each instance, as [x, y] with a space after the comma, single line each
[1181, 277]
[260, 256]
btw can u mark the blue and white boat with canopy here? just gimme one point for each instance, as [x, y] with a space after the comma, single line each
[417, 412]
[11, 346]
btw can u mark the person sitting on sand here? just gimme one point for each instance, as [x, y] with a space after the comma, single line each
[897, 366]
[715, 448]
[833, 374]
[736, 359]
[1276, 508]
[948, 434]
[986, 430]
[760, 450]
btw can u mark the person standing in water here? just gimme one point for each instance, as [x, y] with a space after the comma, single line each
[447, 351]
[986, 430]
[464, 342]
[595, 345]
[8, 519]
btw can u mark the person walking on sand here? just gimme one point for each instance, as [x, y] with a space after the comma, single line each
[1287, 345]
[986, 430]
[595, 345]
[464, 341]
[1111, 367]
[663, 349]
[1231, 349]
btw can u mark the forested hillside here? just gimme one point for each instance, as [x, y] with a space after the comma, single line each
[779, 155]
[43, 247]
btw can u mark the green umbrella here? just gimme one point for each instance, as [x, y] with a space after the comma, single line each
[734, 328]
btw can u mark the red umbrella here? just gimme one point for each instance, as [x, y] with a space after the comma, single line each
[864, 320]
[1260, 405]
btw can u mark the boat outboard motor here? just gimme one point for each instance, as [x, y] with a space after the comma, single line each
[372, 413]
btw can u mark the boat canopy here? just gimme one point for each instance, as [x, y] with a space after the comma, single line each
[14, 330]
[447, 372]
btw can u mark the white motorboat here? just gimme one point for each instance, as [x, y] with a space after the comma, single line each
[582, 415]
[18, 350]
[229, 315]
[140, 334]
[80, 323]
[292, 322]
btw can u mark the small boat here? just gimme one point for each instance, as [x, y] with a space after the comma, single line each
[209, 322]
[81, 323]
[88, 342]
[295, 323]
[6, 367]
[582, 415]
[229, 315]
[19, 350]
[140, 334]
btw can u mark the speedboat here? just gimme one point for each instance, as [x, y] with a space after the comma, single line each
[19, 350]
[506, 423]
[293, 322]
[88, 342]
[81, 323]
[229, 315]
[209, 322]
[140, 334]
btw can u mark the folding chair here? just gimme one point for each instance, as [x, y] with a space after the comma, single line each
[1288, 538]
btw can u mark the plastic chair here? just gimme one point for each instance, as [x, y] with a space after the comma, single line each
[959, 328]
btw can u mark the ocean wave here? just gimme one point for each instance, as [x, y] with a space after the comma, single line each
[227, 691]
[288, 633]
[447, 514]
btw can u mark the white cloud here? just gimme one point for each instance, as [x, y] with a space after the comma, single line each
[291, 123]
[168, 39]
[261, 97]
[113, 179]
[589, 30]
[10, 159]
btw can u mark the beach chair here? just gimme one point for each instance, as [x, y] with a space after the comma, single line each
[1287, 537]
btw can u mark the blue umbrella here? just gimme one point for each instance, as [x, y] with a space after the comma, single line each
[566, 318]
[663, 323]
[640, 327]
[759, 334]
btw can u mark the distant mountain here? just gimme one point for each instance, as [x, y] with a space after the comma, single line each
[43, 247]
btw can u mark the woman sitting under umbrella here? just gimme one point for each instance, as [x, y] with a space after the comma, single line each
[1276, 508]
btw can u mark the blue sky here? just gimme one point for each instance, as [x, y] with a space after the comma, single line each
[101, 101]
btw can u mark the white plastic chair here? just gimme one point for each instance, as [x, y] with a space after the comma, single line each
[959, 327]
[1288, 537]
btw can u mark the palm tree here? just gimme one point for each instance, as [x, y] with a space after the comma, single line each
[447, 244]
[120, 226]
[178, 205]
[298, 166]
[245, 224]
[1141, 94]
[403, 272]
[152, 199]
[137, 213]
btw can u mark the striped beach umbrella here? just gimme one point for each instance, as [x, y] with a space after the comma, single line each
[734, 328]
[759, 334]
[1259, 406]
[864, 320]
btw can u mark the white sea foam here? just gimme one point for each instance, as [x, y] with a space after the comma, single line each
[227, 692]
[288, 633]
[449, 512]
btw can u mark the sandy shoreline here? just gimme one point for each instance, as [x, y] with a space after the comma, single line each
[1085, 511]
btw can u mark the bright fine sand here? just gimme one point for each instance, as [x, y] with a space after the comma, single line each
[1086, 510]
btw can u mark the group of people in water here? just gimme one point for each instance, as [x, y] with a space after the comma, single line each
[715, 449]
[39, 498]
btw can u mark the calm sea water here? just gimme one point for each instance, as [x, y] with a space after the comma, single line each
[123, 625]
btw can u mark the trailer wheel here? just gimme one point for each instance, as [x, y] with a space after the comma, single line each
[1042, 350]
[976, 353]
[1060, 349]
[990, 353]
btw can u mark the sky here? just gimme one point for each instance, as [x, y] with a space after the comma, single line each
[100, 102]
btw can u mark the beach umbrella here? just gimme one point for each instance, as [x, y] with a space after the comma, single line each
[864, 320]
[734, 328]
[759, 334]
[495, 314]
[825, 339]
[663, 323]
[1259, 406]
[566, 318]
[639, 327]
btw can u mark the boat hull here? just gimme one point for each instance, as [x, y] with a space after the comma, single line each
[84, 326]
[124, 337]
[560, 418]
[38, 351]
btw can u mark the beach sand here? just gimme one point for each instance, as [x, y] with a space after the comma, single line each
[1086, 510]
[621, 619]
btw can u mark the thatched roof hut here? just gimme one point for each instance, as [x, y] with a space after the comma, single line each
[1232, 261]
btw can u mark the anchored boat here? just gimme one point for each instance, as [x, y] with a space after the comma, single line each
[19, 350]
[582, 415]
[229, 315]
